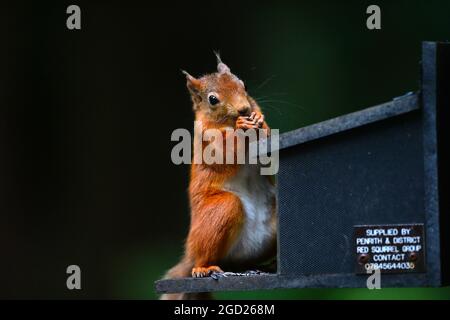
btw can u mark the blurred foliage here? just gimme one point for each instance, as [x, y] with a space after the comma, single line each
[318, 61]
[90, 114]
[134, 274]
[314, 61]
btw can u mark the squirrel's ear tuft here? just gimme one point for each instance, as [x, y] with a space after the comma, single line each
[192, 83]
[221, 67]
[194, 86]
[188, 76]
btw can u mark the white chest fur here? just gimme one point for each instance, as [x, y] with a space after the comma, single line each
[257, 196]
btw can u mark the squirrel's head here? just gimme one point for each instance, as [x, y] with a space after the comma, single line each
[220, 96]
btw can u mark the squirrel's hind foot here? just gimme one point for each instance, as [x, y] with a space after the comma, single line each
[200, 272]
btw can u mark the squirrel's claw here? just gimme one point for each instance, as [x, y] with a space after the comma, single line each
[201, 272]
[217, 275]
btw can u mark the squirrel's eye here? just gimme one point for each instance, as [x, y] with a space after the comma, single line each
[213, 100]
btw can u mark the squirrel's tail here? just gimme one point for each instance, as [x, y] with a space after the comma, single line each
[182, 270]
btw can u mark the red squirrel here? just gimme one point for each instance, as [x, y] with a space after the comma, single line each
[233, 206]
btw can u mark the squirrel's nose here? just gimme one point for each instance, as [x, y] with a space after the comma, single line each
[244, 111]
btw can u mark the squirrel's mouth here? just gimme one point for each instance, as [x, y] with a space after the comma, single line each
[226, 117]
[233, 114]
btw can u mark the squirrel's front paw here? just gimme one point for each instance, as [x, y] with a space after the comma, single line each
[254, 121]
[200, 272]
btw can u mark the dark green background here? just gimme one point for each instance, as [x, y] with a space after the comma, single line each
[86, 118]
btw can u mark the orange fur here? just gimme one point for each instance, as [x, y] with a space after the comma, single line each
[217, 216]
